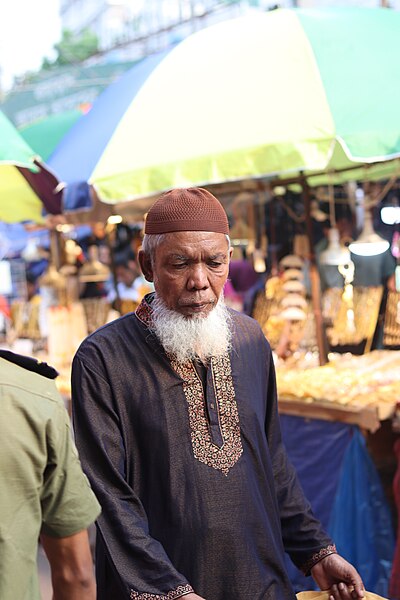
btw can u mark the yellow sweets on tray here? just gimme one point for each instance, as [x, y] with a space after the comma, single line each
[325, 596]
[347, 380]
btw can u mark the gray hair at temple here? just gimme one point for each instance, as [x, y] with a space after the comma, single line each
[152, 240]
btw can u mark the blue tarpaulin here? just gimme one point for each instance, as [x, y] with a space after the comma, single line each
[360, 521]
[345, 492]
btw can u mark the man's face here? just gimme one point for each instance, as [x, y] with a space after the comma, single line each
[189, 270]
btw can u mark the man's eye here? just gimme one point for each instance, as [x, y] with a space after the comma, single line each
[179, 265]
[214, 264]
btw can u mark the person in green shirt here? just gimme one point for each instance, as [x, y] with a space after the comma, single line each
[44, 492]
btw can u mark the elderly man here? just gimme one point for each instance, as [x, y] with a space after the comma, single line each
[176, 420]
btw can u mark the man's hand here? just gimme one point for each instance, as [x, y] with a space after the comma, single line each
[191, 596]
[335, 574]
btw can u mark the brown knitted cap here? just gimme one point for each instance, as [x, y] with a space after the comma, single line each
[186, 209]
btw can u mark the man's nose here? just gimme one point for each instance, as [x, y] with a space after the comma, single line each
[198, 279]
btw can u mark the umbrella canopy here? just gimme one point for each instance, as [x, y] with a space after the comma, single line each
[26, 185]
[267, 94]
[80, 150]
[13, 148]
[44, 135]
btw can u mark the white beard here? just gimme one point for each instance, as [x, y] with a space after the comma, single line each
[198, 337]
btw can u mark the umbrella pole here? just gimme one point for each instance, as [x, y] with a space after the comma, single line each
[314, 278]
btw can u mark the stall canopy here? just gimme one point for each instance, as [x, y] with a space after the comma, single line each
[27, 187]
[269, 94]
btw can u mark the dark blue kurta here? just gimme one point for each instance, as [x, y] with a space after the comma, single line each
[196, 489]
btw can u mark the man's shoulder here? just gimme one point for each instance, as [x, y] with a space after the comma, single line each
[111, 330]
[242, 320]
[107, 340]
[243, 325]
[29, 375]
[29, 363]
[29, 398]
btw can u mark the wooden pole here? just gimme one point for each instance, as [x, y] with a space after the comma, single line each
[314, 278]
[272, 233]
[110, 234]
[55, 248]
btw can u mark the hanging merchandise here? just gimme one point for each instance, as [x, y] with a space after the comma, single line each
[293, 274]
[369, 243]
[391, 325]
[335, 254]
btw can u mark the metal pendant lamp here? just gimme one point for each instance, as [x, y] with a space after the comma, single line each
[369, 243]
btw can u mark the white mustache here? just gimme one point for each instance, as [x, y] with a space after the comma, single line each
[185, 339]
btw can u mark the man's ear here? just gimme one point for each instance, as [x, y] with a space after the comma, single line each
[230, 253]
[146, 266]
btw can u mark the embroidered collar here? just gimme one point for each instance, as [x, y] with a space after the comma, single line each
[144, 311]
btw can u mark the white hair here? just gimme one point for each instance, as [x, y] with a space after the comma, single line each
[150, 243]
[201, 337]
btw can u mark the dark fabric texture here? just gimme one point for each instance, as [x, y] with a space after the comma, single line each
[167, 518]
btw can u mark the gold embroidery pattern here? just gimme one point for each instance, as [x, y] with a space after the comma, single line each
[182, 589]
[143, 313]
[225, 457]
[306, 568]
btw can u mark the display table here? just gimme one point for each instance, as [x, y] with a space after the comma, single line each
[367, 418]
[359, 390]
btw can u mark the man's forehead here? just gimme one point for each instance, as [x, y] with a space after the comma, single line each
[193, 242]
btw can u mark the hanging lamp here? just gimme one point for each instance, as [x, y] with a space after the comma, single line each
[335, 254]
[368, 243]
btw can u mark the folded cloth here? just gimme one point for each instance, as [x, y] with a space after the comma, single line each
[325, 596]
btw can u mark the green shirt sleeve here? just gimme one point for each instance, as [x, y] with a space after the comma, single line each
[68, 503]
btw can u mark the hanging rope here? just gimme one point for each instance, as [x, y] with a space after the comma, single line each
[389, 185]
[297, 218]
[331, 197]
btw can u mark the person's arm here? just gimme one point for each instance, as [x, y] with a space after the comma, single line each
[139, 561]
[71, 566]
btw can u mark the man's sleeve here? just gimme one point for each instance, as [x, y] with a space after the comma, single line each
[303, 536]
[67, 501]
[140, 561]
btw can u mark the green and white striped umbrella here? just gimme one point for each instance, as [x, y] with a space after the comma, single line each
[270, 93]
